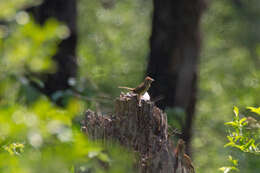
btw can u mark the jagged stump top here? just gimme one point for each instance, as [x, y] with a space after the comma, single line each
[142, 128]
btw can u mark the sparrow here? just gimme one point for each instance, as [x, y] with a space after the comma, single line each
[141, 89]
[182, 159]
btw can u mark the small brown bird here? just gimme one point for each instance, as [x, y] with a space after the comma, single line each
[142, 88]
[182, 159]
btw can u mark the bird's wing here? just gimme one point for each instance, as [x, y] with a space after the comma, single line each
[141, 89]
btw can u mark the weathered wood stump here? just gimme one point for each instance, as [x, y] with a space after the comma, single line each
[142, 128]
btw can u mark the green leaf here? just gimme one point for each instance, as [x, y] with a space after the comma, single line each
[229, 144]
[255, 110]
[230, 139]
[236, 111]
[248, 144]
[231, 123]
[242, 120]
[233, 161]
[225, 169]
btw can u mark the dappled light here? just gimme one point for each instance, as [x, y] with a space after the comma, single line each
[61, 59]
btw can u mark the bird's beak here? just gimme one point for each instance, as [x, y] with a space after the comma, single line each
[149, 79]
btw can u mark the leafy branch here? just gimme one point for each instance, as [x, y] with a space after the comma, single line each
[243, 135]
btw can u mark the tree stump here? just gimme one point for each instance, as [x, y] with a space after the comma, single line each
[142, 128]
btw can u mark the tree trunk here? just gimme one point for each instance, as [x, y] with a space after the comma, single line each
[65, 58]
[175, 46]
[143, 129]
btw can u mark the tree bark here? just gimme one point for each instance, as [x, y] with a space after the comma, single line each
[143, 129]
[65, 58]
[175, 47]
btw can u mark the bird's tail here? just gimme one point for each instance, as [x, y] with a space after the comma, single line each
[131, 89]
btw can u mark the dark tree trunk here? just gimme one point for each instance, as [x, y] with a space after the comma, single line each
[65, 58]
[175, 47]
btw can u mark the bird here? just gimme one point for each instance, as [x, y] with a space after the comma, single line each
[183, 159]
[141, 89]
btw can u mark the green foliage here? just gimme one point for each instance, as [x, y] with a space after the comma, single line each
[227, 169]
[10, 7]
[112, 51]
[21, 47]
[37, 136]
[14, 148]
[25, 46]
[229, 75]
[255, 110]
[242, 136]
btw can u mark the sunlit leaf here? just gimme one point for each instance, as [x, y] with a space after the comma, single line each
[236, 111]
[255, 110]
[242, 120]
[234, 124]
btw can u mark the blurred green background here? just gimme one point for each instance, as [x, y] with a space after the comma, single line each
[229, 76]
[112, 51]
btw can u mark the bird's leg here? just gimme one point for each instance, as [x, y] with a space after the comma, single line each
[139, 100]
